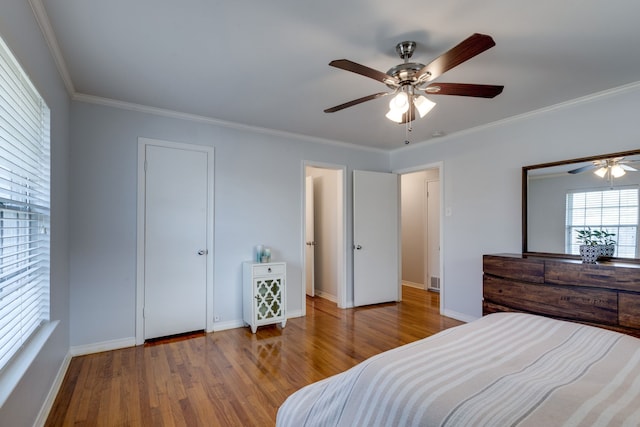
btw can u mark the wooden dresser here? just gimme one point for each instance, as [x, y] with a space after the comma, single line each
[606, 294]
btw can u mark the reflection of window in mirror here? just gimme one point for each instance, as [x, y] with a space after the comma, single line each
[546, 228]
[612, 210]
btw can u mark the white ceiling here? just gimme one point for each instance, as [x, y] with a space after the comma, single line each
[265, 63]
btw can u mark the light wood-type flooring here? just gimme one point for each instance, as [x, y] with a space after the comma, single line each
[233, 377]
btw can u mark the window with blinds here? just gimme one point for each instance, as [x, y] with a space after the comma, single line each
[24, 208]
[614, 211]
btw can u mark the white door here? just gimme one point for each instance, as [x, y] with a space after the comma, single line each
[375, 238]
[433, 233]
[175, 246]
[309, 237]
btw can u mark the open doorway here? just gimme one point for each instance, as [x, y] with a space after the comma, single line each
[324, 238]
[420, 229]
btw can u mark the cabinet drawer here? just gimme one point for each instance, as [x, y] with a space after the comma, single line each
[268, 269]
[629, 310]
[527, 270]
[579, 303]
[593, 275]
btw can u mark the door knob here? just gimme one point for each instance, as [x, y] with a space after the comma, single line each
[203, 252]
[357, 247]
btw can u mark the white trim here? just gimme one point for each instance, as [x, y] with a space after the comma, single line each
[327, 296]
[427, 271]
[232, 324]
[459, 316]
[13, 372]
[209, 120]
[414, 285]
[567, 104]
[45, 25]
[142, 144]
[99, 347]
[41, 419]
[295, 313]
[49, 36]
[341, 286]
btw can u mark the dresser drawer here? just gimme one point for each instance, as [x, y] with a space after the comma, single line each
[577, 303]
[594, 275]
[629, 310]
[523, 269]
[268, 269]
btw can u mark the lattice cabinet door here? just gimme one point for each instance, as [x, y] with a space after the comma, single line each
[264, 294]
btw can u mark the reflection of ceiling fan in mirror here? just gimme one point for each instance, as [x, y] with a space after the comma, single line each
[408, 79]
[608, 168]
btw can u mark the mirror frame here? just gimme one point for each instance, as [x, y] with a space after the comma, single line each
[525, 182]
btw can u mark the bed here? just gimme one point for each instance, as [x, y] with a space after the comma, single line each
[505, 369]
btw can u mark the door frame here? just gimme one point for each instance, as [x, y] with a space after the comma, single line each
[341, 286]
[440, 167]
[140, 239]
[426, 219]
[309, 273]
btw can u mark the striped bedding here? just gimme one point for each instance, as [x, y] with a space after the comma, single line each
[505, 369]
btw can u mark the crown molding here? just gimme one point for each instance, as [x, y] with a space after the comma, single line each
[91, 99]
[47, 31]
[562, 105]
[42, 18]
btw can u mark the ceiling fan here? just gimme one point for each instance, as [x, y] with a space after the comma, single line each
[614, 167]
[408, 79]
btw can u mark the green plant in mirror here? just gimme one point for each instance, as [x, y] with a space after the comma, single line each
[591, 237]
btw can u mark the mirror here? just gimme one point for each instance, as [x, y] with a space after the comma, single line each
[560, 198]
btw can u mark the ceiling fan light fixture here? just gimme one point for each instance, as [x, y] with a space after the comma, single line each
[399, 103]
[617, 171]
[601, 172]
[395, 115]
[423, 105]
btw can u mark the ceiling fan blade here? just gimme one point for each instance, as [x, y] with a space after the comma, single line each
[355, 102]
[363, 70]
[464, 89]
[627, 167]
[584, 168]
[465, 50]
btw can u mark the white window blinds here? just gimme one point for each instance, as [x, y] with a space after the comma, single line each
[613, 210]
[24, 208]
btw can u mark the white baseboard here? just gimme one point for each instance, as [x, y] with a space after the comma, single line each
[81, 350]
[413, 284]
[53, 392]
[292, 314]
[223, 326]
[233, 324]
[328, 296]
[459, 316]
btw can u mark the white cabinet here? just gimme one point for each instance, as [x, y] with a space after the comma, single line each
[264, 293]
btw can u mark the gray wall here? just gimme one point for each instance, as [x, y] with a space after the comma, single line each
[259, 179]
[482, 179]
[94, 200]
[20, 31]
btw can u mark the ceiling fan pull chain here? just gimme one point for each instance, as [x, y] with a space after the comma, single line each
[407, 127]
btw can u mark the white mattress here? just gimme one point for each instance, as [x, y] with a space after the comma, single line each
[505, 369]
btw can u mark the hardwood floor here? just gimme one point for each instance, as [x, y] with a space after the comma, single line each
[233, 377]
